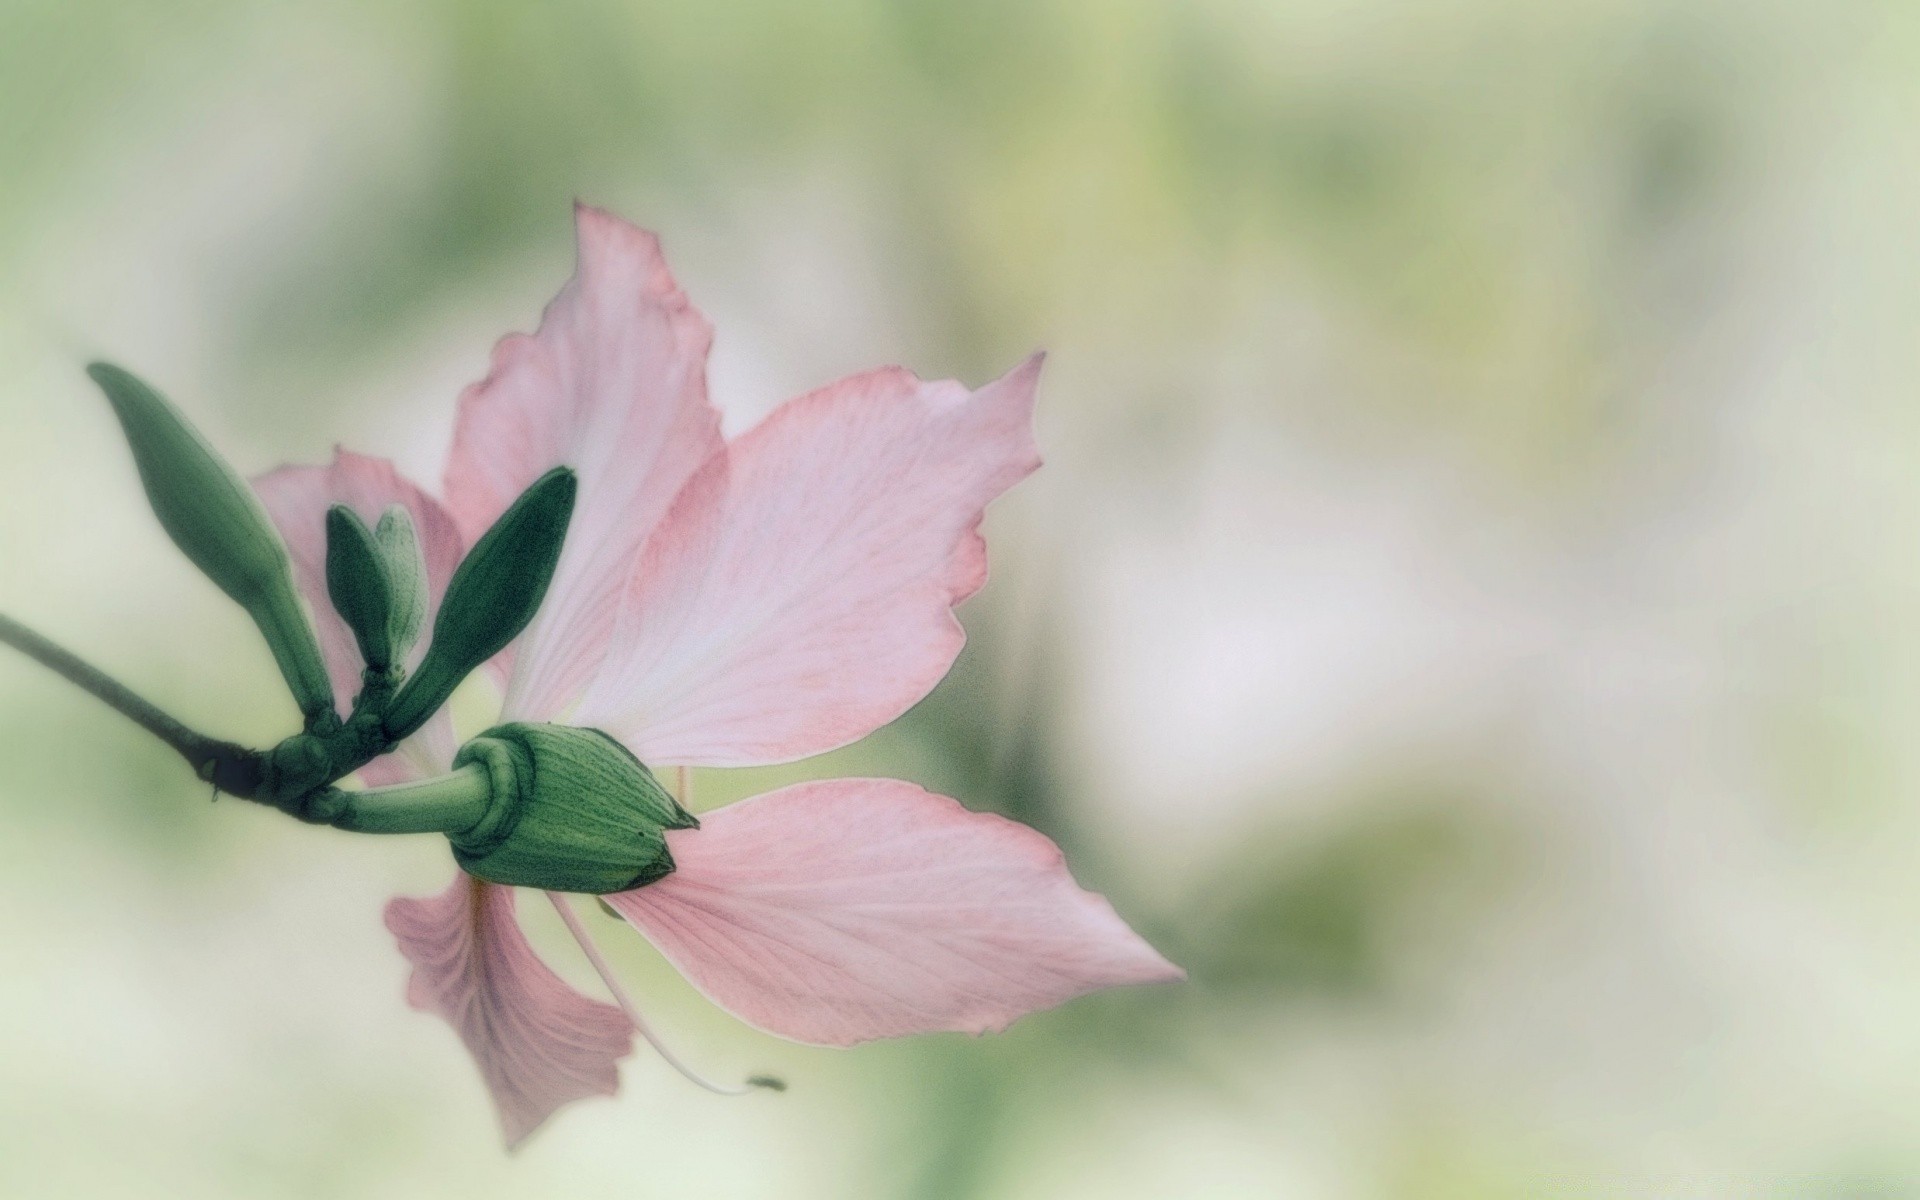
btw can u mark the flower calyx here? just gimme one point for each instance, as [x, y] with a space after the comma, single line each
[571, 810]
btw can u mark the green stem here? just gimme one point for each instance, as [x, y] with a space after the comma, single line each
[233, 769]
[296, 652]
[446, 804]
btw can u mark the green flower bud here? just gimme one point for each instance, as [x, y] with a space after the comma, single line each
[406, 577]
[358, 586]
[213, 516]
[571, 810]
[493, 594]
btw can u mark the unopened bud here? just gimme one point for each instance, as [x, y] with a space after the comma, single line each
[493, 594]
[406, 577]
[358, 586]
[218, 523]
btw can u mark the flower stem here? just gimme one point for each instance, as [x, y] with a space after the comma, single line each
[450, 803]
[231, 768]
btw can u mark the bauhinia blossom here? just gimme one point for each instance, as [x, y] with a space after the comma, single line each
[728, 604]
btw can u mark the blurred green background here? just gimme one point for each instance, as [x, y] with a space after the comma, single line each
[1468, 617]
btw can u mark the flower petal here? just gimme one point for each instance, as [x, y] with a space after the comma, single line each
[297, 499]
[839, 911]
[539, 1044]
[613, 385]
[799, 594]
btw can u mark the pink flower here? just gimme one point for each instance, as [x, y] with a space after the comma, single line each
[730, 604]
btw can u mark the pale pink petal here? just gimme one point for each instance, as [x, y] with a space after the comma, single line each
[297, 499]
[799, 594]
[539, 1044]
[614, 386]
[838, 911]
[427, 753]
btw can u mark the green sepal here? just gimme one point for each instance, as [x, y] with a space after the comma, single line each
[216, 520]
[406, 578]
[357, 584]
[493, 594]
[572, 811]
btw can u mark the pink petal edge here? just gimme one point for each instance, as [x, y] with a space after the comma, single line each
[840, 911]
[799, 594]
[538, 1043]
[613, 385]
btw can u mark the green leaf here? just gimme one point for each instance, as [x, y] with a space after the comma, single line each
[495, 591]
[215, 519]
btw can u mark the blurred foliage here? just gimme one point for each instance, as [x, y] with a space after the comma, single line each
[1324, 920]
